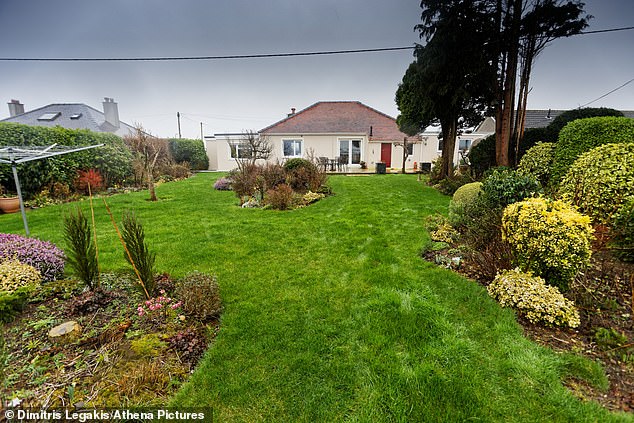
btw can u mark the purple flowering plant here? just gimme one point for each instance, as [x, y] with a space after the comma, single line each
[43, 255]
[223, 184]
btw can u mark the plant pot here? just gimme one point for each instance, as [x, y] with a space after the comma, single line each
[9, 204]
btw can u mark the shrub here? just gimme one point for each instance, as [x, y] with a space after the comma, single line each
[623, 232]
[190, 151]
[15, 275]
[311, 197]
[571, 115]
[140, 256]
[82, 252]
[532, 136]
[223, 184]
[281, 197]
[449, 186]
[532, 298]
[273, 174]
[45, 256]
[504, 187]
[583, 135]
[113, 159]
[90, 302]
[12, 303]
[463, 199]
[537, 162]
[200, 295]
[600, 181]
[293, 164]
[89, 178]
[548, 238]
[244, 181]
[444, 233]
[482, 156]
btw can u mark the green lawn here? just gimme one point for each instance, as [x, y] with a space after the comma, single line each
[331, 315]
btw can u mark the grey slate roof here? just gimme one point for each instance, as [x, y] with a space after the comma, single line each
[542, 118]
[89, 118]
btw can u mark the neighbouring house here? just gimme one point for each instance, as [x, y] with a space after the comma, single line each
[347, 130]
[72, 116]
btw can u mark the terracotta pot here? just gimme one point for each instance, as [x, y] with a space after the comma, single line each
[9, 204]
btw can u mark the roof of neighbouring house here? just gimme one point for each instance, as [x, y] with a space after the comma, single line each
[345, 117]
[543, 118]
[71, 116]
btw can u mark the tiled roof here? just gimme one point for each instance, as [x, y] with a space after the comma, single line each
[84, 117]
[339, 117]
[542, 118]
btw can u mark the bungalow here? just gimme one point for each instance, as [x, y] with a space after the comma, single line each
[72, 116]
[347, 130]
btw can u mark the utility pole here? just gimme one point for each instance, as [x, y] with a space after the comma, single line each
[178, 118]
[202, 138]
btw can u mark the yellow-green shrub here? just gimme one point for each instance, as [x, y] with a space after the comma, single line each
[549, 238]
[537, 162]
[600, 181]
[14, 275]
[462, 200]
[444, 233]
[532, 298]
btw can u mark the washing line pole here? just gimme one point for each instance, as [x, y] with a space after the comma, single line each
[19, 190]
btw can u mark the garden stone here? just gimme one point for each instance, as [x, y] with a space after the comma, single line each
[65, 333]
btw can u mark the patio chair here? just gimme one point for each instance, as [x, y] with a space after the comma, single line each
[323, 162]
[342, 164]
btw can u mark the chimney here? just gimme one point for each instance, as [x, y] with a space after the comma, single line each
[292, 112]
[111, 111]
[15, 108]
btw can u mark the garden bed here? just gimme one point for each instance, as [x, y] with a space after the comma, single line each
[122, 358]
[603, 296]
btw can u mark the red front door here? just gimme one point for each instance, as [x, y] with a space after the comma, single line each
[386, 153]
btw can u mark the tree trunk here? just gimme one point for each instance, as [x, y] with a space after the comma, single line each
[449, 129]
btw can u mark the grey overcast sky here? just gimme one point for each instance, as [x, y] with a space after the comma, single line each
[235, 95]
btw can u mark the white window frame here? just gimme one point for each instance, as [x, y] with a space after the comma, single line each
[294, 140]
[238, 146]
[468, 141]
[350, 139]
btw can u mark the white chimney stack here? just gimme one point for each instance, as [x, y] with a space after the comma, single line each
[15, 108]
[111, 111]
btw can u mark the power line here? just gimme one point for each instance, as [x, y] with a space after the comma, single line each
[162, 59]
[608, 93]
[239, 56]
[600, 31]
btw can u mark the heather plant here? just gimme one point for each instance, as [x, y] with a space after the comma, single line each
[600, 181]
[82, 252]
[532, 298]
[223, 184]
[138, 253]
[200, 296]
[45, 256]
[311, 197]
[548, 238]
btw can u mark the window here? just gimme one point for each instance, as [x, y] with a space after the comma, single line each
[464, 145]
[49, 116]
[350, 151]
[240, 151]
[441, 144]
[410, 149]
[76, 116]
[292, 148]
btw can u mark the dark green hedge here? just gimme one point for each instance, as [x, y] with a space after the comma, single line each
[113, 160]
[583, 135]
[190, 151]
